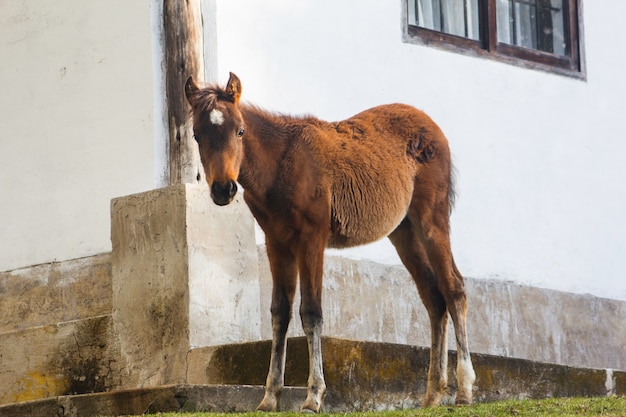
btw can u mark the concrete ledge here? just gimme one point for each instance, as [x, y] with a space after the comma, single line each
[360, 376]
[65, 358]
[366, 375]
[55, 292]
[191, 398]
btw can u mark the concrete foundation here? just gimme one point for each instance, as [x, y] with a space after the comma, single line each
[360, 376]
[55, 333]
[55, 292]
[379, 303]
[58, 359]
[186, 288]
[184, 275]
[370, 376]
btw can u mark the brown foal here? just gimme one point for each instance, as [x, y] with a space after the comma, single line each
[312, 184]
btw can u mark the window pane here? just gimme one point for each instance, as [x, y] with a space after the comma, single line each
[503, 9]
[525, 25]
[533, 24]
[412, 13]
[557, 31]
[474, 20]
[455, 17]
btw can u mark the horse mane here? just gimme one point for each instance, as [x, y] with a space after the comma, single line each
[205, 99]
[288, 124]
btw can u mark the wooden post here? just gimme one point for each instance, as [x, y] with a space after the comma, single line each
[182, 20]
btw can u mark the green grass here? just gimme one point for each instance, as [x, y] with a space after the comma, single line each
[559, 407]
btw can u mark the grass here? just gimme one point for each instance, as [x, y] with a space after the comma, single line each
[558, 407]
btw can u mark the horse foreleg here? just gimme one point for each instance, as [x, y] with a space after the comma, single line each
[311, 272]
[276, 374]
[284, 273]
[312, 324]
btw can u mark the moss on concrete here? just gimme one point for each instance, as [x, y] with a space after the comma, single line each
[366, 375]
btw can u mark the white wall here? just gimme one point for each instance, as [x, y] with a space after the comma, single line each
[540, 156]
[77, 125]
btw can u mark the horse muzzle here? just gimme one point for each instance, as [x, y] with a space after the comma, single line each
[223, 193]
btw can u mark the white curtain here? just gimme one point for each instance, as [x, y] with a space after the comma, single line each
[456, 17]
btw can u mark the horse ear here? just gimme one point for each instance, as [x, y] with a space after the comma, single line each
[233, 88]
[191, 89]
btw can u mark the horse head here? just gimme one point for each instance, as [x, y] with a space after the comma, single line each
[218, 128]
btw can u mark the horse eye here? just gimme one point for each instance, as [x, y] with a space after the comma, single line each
[240, 132]
[196, 138]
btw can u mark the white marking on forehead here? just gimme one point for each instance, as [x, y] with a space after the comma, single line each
[216, 117]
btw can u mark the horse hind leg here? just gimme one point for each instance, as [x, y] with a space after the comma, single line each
[413, 256]
[452, 287]
[464, 370]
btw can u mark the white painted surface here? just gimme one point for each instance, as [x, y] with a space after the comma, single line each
[540, 156]
[223, 271]
[161, 126]
[541, 192]
[77, 125]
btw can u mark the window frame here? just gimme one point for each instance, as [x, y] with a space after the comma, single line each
[571, 64]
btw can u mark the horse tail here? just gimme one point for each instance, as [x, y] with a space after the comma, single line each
[451, 188]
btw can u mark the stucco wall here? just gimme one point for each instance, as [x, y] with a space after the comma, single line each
[78, 126]
[540, 185]
[539, 156]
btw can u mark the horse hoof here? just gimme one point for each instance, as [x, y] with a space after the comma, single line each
[431, 400]
[267, 405]
[264, 409]
[310, 407]
[462, 400]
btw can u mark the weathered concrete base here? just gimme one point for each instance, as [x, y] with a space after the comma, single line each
[365, 375]
[360, 376]
[184, 286]
[55, 292]
[55, 329]
[184, 275]
[184, 398]
[379, 303]
[72, 357]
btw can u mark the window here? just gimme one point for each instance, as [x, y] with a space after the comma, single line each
[541, 34]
